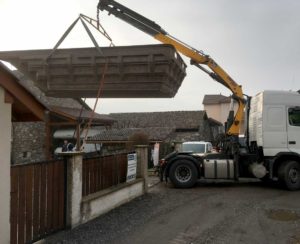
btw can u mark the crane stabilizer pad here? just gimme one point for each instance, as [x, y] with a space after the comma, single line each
[148, 71]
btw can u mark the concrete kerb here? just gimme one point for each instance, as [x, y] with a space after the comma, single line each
[153, 181]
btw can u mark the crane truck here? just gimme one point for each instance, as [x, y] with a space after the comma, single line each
[272, 148]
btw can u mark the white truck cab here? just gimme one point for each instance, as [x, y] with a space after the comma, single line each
[271, 150]
[274, 122]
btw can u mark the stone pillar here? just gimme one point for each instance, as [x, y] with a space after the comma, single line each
[5, 148]
[74, 188]
[142, 164]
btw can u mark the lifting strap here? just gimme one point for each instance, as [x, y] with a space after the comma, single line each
[89, 20]
[96, 101]
[99, 27]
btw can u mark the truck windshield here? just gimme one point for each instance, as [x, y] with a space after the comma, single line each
[197, 148]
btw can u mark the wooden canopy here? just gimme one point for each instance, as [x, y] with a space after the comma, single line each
[25, 107]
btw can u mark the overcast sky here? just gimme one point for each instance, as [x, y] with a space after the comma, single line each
[257, 42]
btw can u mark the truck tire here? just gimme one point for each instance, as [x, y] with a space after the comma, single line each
[183, 174]
[289, 175]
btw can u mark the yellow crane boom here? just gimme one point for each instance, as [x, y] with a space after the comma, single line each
[198, 58]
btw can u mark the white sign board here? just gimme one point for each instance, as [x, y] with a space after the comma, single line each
[131, 168]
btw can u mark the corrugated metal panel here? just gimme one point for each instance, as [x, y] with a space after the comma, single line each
[256, 119]
[71, 133]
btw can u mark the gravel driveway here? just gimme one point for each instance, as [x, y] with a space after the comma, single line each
[223, 212]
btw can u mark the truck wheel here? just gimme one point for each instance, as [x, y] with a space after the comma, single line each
[183, 174]
[289, 175]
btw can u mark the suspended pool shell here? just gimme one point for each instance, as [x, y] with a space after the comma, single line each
[148, 71]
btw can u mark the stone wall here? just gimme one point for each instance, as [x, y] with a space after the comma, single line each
[180, 136]
[28, 142]
[29, 138]
[205, 131]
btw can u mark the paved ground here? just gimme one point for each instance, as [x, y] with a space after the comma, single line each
[246, 212]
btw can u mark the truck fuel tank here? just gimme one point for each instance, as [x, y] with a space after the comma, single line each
[218, 169]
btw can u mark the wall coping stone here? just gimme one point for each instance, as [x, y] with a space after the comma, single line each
[109, 190]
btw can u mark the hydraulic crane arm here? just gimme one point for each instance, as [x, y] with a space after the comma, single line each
[197, 57]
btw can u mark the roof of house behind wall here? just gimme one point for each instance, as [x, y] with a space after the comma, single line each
[48, 101]
[68, 107]
[25, 106]
[215, 99]
[77, 113]
[174, 119]
[155, 134]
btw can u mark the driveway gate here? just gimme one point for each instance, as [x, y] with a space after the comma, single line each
[37, 200]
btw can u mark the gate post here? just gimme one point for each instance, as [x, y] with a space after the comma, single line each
[5, 144]
[142, 164]
[73, 188]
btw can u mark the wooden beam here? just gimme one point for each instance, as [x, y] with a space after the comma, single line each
[62, 123]
[48, 140]
[63, 115]
[8, 98]
[78, 137]
[9, 83]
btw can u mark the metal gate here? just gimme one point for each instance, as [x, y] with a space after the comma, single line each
[37, 200]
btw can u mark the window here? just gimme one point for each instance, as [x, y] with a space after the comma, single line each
[294, 116]
[196, 148]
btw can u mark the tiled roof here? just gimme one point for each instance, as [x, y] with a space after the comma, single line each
[48, 101]
[117, 135]
[174, 119]
[215, 99]
[77, 113]
[25, 106]
[68, 106]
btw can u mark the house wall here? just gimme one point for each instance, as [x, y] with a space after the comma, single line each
[220, 111]
[184, 136]
[213, 111]
[5, 146]
[205, 131]
[28, 144]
